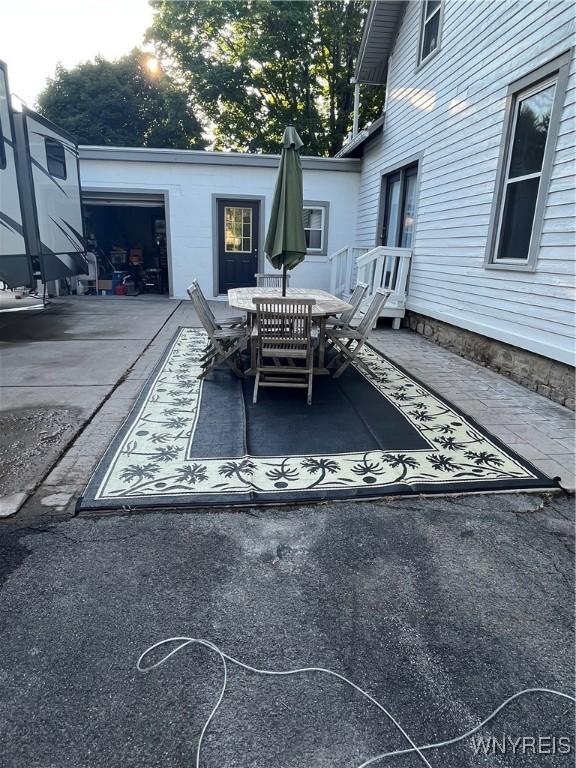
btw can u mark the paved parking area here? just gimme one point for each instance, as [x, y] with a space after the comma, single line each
[439, 607]
[93, 355]
[59, 365]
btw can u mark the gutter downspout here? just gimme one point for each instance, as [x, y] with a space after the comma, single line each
[356, 106]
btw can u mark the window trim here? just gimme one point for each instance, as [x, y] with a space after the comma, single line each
[556, 71]
[54, 141]
[421, 62]
[319, 254]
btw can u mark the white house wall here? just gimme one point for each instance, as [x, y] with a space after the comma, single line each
[450, 113]
[191, 188]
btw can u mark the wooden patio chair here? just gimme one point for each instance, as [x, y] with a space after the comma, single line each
[229, 322]
[284, 337]
[348, 341]
[224, 345]
[271, 280]
[345, 318]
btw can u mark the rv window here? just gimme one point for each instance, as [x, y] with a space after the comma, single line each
[55, 158]
[2, 150]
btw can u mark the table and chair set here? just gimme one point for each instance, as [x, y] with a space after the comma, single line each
[284, 341]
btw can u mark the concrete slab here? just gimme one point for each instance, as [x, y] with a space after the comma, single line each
[10, 504]
[72, 363]
[112, 304]
[82, 398]
[58, 367]
[100, 326]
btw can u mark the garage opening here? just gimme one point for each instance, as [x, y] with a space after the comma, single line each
[127, 243]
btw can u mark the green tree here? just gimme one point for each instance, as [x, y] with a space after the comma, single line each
[255, 66]
[121, 103]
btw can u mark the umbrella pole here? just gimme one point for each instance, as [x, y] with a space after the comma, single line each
[284, 278]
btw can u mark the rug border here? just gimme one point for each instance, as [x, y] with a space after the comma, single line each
[476, 424]
[540, 483]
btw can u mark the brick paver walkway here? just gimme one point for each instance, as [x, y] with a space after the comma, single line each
[538, 429]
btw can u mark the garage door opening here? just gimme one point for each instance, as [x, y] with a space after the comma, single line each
[127, 240]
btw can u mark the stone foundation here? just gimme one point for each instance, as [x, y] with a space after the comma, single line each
[547, 377]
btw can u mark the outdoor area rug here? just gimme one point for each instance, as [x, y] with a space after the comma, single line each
[193, 443]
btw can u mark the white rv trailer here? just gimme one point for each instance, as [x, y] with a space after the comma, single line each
[41, 223]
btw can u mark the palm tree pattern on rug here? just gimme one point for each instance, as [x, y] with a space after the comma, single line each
[152, 458]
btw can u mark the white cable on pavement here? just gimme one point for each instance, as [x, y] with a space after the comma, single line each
[185, 641]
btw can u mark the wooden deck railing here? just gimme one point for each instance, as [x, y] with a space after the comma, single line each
[379, 267]
[343, 270]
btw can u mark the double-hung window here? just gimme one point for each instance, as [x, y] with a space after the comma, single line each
[430, 30]
[531, 126]
[315, 227]
[55, 158]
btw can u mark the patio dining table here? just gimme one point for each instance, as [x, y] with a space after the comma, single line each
[325, 305]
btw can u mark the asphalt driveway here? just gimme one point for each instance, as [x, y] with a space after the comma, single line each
[440, 608]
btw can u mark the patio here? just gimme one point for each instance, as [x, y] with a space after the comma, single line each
[536, 428]
[194, 442]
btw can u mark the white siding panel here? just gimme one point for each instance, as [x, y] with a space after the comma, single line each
[450, 113]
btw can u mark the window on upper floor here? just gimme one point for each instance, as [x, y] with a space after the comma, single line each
[55, 158]
[316, 227]
[530, 129]
[430, 30]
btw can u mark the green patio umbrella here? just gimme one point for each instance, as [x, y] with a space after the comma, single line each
[285, 245]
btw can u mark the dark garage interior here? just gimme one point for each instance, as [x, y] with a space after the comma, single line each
[128, 238]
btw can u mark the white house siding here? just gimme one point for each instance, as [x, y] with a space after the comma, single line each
[190, 188]
[451, 114]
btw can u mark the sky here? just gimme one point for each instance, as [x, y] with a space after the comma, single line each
[35, 35]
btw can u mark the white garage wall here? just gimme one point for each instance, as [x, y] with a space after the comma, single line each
[190, 187]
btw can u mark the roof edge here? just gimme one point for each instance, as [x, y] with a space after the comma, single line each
[381, 26]
[366, 133]
[365, 35]
[203, 157]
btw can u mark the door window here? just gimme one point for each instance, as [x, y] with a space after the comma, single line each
[399, 196]
[237, 229]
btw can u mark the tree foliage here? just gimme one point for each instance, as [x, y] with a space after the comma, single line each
[255, 66]
[121, 103]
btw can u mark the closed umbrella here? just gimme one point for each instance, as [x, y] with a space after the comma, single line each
[285, 245]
